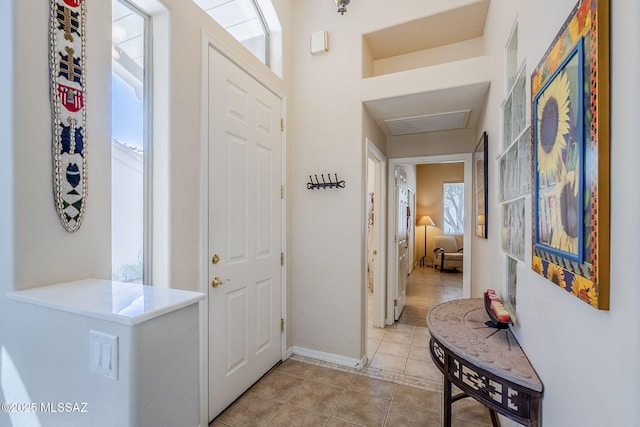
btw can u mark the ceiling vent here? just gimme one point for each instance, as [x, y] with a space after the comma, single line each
[428, 123]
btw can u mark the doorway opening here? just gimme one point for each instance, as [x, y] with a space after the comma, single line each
[399, 348]
[396, 262]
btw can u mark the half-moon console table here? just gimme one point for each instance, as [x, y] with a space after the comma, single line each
[485, 363]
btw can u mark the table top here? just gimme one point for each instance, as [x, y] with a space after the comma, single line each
[460, 326]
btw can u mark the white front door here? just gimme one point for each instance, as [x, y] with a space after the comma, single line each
[403, 244]
[245, 231]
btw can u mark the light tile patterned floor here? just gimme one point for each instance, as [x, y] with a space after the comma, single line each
[299, 394]
[403, 348]
[400, 386]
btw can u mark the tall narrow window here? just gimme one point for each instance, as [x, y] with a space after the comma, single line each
[453, 202]
[243, 19]
[130, 147]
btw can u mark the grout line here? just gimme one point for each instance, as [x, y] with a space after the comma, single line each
[286, 402]
[393, 396]
[344, 390]
[421, 383]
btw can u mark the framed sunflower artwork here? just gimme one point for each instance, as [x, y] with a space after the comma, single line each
[570, 131]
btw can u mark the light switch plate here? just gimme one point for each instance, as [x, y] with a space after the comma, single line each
[103, 357]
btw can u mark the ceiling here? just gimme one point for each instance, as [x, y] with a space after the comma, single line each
[434, 108]
[437, 110]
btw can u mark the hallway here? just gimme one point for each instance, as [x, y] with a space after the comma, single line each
[426, 288]
[402, 349]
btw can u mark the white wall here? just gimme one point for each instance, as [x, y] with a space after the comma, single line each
[324, 131]
[36, 249]
[39, 250]
[6, 153]
[587, 359]
[426, 58]
[44, 252]
[326, 228]
[6, 187]
[371, 130]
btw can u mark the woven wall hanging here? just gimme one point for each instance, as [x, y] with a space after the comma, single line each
[67, 46]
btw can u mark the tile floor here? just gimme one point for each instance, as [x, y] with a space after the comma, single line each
[299, 394]
[427, 287]
[400, 386]
[403, 348]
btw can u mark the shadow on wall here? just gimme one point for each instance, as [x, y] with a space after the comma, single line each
[18, 409]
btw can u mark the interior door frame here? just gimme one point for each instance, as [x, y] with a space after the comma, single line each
[465, 158]
[379, 265]
[211, 41]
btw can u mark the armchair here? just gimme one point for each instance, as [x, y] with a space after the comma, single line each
[447, 253]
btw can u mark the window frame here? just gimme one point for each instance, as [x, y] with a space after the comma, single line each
[262, 22]
[147, 141]
[444, 220]
[267, 33]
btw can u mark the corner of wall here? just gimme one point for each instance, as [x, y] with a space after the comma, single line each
[6, 154]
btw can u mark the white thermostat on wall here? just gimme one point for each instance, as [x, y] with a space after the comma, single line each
[319, 42]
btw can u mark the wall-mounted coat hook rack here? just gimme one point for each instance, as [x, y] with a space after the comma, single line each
[324, 184]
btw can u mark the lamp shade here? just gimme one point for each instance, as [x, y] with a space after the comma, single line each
[425, 220]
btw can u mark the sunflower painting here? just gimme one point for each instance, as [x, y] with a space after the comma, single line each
[558, 156]
[570, 156]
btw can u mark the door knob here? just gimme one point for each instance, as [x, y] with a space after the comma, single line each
[215, 259]
[217, 282]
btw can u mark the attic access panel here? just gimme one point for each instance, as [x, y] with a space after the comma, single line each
[428, 123]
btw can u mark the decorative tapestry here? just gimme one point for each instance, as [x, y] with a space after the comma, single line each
[67, 47]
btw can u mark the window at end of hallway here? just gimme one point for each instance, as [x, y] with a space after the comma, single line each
[453, 202]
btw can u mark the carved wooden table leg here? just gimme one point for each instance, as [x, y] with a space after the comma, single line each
[447, 402]
[494, 418]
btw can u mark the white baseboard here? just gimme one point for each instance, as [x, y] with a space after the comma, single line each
[289, 353]
[330, 357]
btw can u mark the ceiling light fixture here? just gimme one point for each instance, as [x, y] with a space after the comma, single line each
[342, 6]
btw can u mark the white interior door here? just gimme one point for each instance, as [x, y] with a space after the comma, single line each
[245, 231]
[411, 219]
[376, 162]
[403, 244]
